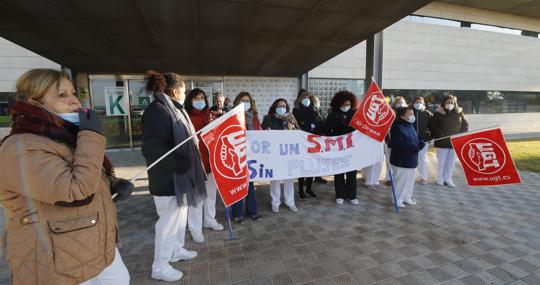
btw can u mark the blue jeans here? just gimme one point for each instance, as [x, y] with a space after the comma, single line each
[251, 204]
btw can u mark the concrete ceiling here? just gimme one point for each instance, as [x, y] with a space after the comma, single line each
[242, 37]
[525, 8]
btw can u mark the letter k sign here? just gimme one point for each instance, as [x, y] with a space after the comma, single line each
[115, 103]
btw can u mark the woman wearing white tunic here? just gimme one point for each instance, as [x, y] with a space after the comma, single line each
[404, 157]
[421, 126]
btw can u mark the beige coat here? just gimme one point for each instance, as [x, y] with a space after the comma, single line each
[48, 243]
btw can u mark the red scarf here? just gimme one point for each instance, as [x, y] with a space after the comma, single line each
[30, 118]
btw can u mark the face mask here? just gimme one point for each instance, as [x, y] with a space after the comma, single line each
[281, 110]
[419, 106]
[449, 107]
[70, 117]
[306, 102]
[345, 109]
[411, 119]
[247, 106]
[199, 105]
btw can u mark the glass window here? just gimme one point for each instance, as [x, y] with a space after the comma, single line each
[6, 100]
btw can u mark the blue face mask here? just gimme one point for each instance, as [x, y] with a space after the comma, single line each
[70, 117]
[345, 109]
[281, 111]
[199, 105]
[247, 106]
[306, 102]
[411, 119]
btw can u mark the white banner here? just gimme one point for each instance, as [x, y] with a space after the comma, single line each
[274, 155]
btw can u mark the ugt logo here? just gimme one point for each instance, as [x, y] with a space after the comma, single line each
[376, 111]
[483, 155]
[230, 158]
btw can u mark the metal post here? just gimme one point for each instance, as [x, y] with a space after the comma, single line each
[374, 59]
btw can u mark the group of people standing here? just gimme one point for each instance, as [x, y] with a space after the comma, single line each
[57, 182]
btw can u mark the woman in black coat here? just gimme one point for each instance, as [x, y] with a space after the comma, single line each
[343, 107]
[310, 120]
[448, 120]
[179, 179]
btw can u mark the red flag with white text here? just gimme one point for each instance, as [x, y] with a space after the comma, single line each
[225, 139]
[374, 117]
[485, 158]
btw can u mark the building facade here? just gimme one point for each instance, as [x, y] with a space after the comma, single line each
[489, 60]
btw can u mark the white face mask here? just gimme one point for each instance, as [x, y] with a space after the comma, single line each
[449, 106]
[247, 106]
[306, 102]
[345, 109]
[70, 117]
[281, 111]
[419, 106]
[199, 105]
[411, 119]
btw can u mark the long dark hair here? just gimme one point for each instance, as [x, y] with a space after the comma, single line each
[342, 96]
[272, 109]
[156, 82]
[192, 94]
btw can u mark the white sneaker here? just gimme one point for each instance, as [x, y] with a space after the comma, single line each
[410, 202]
[400, 205]
[168, 274]
[354, 201]
[197, 236]
[339, 201]
[275, 209]
[214, 226]
[293, 208]
[450, 184]
[183, 254]
[440, 183]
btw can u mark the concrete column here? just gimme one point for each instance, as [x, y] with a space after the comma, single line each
[303, 80]
[374, 59]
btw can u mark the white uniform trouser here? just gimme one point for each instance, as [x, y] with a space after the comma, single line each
[422, 162]
[205, 210]
[403, 183]
[371, 173]
[288, 192]
[114, 274]
[447, 161]
[170, 230]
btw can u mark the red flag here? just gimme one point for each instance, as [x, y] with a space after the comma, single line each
[225, 139]
[374, 117]
[485, 158]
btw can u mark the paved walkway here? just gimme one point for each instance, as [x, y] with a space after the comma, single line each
[464, 235]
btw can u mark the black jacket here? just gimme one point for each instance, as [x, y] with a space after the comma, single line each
[337, 123]
[445, 123]
[157, 140]
[405, 144]
[273, 123]
[421, 124]
[309, 119]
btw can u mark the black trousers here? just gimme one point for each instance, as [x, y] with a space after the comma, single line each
[307, 181]
[345, 184]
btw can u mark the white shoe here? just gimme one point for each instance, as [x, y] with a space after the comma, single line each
[197, 236]
[450, 184]
[400, 205]
[339, 201]
[214, 226]
[293, 208]
[183, 254]
[410, 202]
[354, 201]
[440, 183]
[168, 274]
[275, 209]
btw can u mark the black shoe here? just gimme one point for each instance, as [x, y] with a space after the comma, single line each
[255, 217]
[238, 220]
[310, 193]
[320, 180]
[302, 195]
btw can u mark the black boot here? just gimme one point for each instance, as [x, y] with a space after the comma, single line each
[301, 193]
[320, 180]
[311, 193]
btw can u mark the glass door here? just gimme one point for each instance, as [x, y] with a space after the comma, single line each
[110, 101]
[139, 101]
